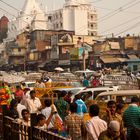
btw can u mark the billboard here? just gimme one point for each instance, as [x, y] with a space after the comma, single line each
[74, 55]
[129, 43]
[77, 53]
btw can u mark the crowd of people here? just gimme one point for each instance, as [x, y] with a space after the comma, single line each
[69, 118]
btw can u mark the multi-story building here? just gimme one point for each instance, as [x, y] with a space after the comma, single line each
[46, 28]
[76, 15]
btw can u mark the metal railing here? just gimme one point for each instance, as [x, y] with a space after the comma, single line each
[123, 82]
[10, 130]
[1, 126]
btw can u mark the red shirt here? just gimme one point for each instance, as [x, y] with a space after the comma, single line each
[19, 93]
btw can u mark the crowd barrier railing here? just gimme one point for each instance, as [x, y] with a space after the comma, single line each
[10, 129]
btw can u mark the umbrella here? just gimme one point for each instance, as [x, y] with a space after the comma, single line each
[59, 69]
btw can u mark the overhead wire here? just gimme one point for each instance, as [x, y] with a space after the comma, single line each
[9, 5]
[116, 11]
[81, 28]
[129, 28]
[17, 11]
[129, 12]
[117, 26]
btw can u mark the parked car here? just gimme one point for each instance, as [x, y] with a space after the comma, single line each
[119, 96]
[93, 92]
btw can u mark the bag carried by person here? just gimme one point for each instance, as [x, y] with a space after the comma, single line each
[58, 123]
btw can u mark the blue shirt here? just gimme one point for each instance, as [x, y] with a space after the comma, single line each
[81, 107]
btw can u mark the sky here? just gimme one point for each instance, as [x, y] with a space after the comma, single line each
[118, 17]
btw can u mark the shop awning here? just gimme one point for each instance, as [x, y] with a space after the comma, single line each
[109, 60]
[122, 59]
[132, 56]
[41, 65]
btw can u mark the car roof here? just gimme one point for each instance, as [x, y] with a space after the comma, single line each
[120, 92]
[97, 89]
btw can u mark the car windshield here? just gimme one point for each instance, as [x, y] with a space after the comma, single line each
[31, 84]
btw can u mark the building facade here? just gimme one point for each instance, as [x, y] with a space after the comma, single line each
[76, 15]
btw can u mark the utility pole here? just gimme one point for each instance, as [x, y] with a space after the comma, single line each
[84, 60]
[26, 49]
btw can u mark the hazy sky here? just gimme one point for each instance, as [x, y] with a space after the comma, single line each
[120, 17]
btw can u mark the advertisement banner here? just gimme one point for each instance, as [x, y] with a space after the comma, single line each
[129, 43]
[74, 55]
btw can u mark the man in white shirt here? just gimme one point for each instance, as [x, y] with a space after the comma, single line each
[20, 106]
[34, 104]
[95, 125]
[49, 108]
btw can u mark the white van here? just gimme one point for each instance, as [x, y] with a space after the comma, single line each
[121, 95]
[93, 92]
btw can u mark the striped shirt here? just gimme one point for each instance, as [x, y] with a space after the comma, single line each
[131, 118]
[74, 125]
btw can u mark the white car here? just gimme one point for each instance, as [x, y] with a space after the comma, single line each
[118, 96]
[30, 85]
[74, 90]
[93, 92]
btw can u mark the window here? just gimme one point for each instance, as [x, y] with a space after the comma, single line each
[57, 25]
[60, 15]
[93, 33]
[49, 18]
[135, 67]
[61, 24]
[19, 49]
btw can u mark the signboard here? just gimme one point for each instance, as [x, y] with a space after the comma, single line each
[129, 43]
[115, 45]
[77, 53]
[81, 50]
[74, 53]
[61, 38]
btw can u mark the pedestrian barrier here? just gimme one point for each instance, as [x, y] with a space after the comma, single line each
[123, 82]
[1, 126]
[13, 130]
